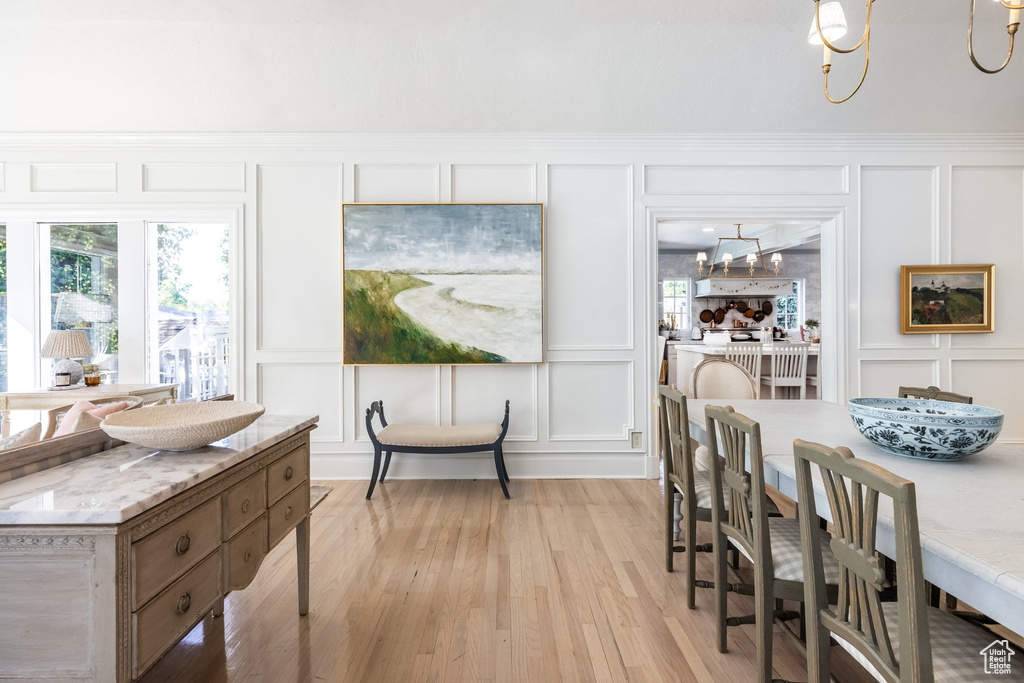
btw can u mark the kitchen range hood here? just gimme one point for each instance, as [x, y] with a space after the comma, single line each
[725, 287]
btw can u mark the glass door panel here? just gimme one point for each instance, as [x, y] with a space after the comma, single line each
[189, 316]
[83, 288]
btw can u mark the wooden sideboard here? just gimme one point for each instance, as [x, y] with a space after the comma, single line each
[107, 561]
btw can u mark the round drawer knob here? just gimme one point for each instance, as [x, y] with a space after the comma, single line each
[246, 505]
[183, 544]
[288, 473]
[184, 602]
[247, 556]
[288, 512]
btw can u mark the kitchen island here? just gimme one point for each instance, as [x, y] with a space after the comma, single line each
[108, 560]
[689, 354]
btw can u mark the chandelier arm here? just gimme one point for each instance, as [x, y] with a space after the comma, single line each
[970, 43]
[829, 45]
[1008, 5]
[867, 58]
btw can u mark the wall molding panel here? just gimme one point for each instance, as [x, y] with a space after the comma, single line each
[73, 177]
[886, 200]
[186, 177]
[746, 180]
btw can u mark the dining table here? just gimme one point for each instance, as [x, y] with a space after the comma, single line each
[970, 512]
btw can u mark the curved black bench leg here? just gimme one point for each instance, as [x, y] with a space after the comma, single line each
[505, 469]
[499, 466]
[373, 476]
[387, 462]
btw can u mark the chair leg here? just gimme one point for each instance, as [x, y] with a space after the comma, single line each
[690, 520]
[721, 594]
[670, 498]
[764, 622]
[387, 463]
[498, 469]
[373, 475]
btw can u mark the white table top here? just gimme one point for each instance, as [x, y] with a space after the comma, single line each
[971, 513]
[116, 485]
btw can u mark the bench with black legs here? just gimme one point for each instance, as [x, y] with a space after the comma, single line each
[402, 438]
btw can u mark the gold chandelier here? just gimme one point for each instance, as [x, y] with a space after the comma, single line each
[727, 256]
[830, 24]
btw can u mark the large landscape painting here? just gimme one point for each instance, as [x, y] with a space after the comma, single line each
[443, 283]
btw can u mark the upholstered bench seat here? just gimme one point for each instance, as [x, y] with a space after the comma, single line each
[427, 436]
[433, 439]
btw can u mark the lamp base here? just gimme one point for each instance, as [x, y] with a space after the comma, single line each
[72, 367]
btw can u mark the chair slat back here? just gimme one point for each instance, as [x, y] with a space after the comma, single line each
[934, 394]
[746, 354]
[853, 488]
[730, 436]
[675, 440]
[789, 364]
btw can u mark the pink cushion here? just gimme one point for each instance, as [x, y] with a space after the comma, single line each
[72, 415]
[108, 409]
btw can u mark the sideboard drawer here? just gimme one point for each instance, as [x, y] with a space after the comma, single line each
[159, 625]
[287, 473]
[244, 502]
[243, 555]
[291, 510]
[170, 551]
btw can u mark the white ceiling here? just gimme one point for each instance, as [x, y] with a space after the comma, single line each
[492, 66]
[693, 236]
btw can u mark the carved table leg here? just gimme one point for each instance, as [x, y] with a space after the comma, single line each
[302, 563]
[5, 423]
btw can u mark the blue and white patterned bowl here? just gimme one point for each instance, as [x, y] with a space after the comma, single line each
[931, 430]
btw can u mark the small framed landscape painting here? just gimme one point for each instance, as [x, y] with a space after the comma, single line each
[947, 299]
[443, 283]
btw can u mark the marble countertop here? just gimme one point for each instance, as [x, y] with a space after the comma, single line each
[116, 485]
[709, 350]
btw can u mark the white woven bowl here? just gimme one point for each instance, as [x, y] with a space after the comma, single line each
[181, 426]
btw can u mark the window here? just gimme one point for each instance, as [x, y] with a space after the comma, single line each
[789, 307]
[675, 300]
[189, 319]
[83, 288]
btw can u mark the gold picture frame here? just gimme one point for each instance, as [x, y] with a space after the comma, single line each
[947, 299]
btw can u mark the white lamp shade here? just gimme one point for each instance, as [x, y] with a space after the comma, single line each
[67, 344]
[751, 258]
[702, 256]
[776, 258]
[833, 23]
[727, 257]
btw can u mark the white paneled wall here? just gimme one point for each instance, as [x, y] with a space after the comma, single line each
[883, 204]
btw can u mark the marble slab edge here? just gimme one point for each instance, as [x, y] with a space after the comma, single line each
[85, 492]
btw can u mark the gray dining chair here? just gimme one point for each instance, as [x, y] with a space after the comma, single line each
[898, 642]
[772, 544]
[687, 489]
[933, 394]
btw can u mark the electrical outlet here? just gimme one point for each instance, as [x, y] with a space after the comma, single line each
[636, 439]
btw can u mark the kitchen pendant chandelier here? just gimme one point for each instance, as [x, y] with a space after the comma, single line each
[829, 24]
[727, 256]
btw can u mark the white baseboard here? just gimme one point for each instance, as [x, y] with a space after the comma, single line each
[629, 465]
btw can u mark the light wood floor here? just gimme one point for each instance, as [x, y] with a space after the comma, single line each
[448, 581]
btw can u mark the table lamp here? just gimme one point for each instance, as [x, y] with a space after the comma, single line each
[65, 345]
